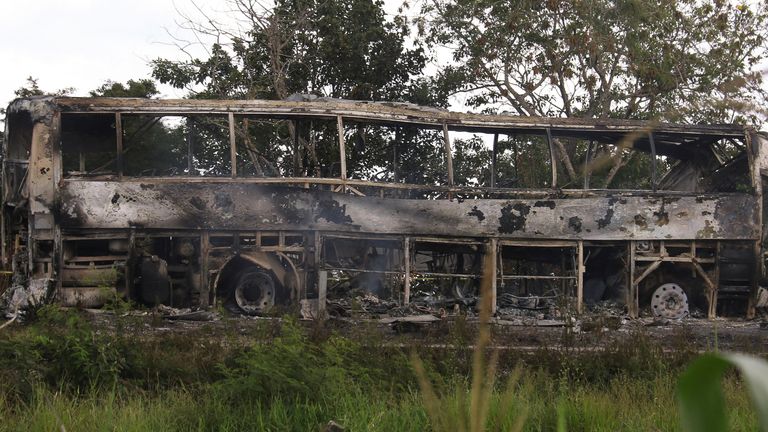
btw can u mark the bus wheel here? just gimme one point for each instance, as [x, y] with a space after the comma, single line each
[255, 290]
[669, 301]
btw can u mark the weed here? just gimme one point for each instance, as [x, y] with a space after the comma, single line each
[471, 413]
[282, 375]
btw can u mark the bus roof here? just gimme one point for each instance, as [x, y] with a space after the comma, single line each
[668, 138]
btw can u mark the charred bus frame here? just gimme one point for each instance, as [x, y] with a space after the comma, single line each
[253, 242]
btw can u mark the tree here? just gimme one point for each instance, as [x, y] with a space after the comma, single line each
[141, 88]
[334, 48]
[668, 60]
[31, 89]
[337, 48]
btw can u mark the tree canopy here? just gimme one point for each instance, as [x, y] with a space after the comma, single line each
[671, 60]
[336, 48]
[686, 61]
[665, 60]
[141, 88]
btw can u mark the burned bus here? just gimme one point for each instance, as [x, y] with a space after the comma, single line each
[256, 205]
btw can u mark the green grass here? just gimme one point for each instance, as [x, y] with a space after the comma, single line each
[62, 372]
[622, 404]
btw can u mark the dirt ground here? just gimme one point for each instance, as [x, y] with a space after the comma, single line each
[585, 333]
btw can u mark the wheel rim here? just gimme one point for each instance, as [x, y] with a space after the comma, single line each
[255, 292]
[669, 301]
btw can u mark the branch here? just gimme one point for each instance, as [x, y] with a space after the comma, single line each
[565, 159]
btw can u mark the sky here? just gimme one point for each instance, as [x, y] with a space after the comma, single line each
[83, 43]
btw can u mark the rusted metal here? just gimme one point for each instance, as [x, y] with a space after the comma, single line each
[757, 151]
[539, 277]
[712, 291]
[493, 261]
[322, 290]
[205, 250]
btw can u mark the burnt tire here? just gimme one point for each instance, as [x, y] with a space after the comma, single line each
[254, 291]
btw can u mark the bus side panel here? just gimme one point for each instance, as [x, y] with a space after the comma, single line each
[233, 206]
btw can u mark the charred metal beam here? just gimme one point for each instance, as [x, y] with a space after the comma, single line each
[119, 141]
[322, 291]
[381, 111]
[632, 294]
[652, 144]
[296, 147]
[580, 277]
[406, 270]
[232, 144]
[342, 149]
[448, 155]
[205, 248]
[493, 261]
[493, 159]
[586, 164]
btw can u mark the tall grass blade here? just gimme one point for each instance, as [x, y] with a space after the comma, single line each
[562, 425]
[508, 399]
[483, 374]
[432, 403]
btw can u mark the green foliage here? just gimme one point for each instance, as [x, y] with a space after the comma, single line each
[521, 162]
[294, 368]
[77, 357]
[116, 302]
[621, 405]
[702, 403]
[141, 88]
[293, 378]
[33, 89]
[62, 352]
[287, 366]
[339, 48]
[343, 49]
[675, 60]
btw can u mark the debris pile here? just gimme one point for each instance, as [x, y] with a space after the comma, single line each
[369, 304]
[185, 314]
[23, 294]
[539, 307]
[20, 297]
